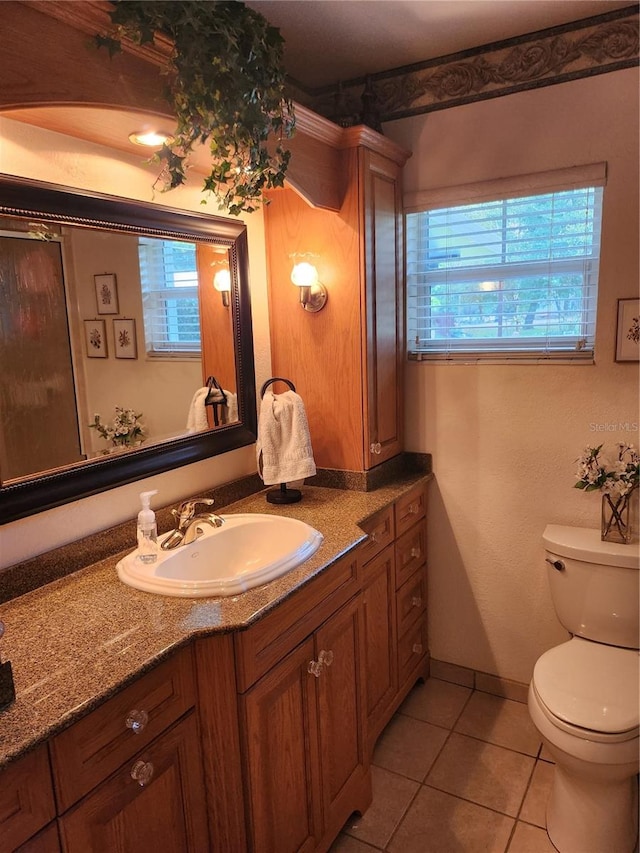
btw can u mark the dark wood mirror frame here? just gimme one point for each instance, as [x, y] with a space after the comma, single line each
[49, 202]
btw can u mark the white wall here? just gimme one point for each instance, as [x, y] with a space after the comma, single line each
[504, 438]
[41, 155]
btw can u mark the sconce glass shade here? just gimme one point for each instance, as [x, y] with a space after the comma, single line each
[313, 294]
[222, 283]
[304, 275]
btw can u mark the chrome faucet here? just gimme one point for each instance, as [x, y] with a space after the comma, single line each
[188, 523]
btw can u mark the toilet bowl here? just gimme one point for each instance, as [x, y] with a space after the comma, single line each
[584, 694]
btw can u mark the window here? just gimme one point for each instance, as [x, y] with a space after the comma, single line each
[514, 277]
[169, 279]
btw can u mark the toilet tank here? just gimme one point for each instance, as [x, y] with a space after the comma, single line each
[594, 585]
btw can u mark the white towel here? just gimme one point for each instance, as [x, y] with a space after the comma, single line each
[284, 445]
[197, 417]
[230, 411]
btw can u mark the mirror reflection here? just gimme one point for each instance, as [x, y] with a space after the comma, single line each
[109, 341]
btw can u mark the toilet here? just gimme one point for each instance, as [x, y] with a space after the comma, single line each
[584, 694]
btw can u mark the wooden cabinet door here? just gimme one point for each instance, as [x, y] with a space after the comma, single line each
[379, 651]
[340, 720]
[384, 308]
[281, 754]
[168, 812]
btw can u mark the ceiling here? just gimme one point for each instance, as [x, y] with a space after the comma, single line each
[331, 40]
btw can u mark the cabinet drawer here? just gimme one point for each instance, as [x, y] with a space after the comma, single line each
[412, 648]
[410, 508]
[410, 553]
[280, 631]
[381, 530]
[26, 799]
[411, 601]
[99, 743]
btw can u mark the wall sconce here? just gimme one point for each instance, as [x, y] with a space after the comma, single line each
[222, 283]
[313, 294]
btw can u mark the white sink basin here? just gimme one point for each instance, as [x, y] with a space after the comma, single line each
[246, 551]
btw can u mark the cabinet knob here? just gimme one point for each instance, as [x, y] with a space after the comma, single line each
[413, 509]
[325, 658]
[417, 648]
[376, 448]
[142, 772]
[374, 537]
[415, 552]
[136, 721]
[416, 601]
[315, 668]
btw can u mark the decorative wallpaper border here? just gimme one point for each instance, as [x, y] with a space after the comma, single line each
[581, 49]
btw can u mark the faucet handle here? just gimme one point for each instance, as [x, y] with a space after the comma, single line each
[187, 509]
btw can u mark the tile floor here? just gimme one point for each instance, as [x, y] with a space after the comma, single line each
[455, 771]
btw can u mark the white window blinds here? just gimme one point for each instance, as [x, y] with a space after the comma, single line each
[513, 277]
[169, 278]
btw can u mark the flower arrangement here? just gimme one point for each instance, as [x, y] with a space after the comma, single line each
[617, 479]
[125, 430]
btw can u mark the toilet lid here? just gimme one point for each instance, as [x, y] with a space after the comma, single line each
[590, 685]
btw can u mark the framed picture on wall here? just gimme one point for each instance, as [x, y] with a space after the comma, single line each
[628, 334]
[124, 338]
[106, 293]
[95, 335]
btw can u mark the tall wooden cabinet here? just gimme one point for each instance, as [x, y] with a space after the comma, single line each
[346, 361]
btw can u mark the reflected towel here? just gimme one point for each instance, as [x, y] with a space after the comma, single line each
[197, 417]
[284, 445]
[230, 411]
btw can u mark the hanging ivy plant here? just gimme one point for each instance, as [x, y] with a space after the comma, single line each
[226, 84]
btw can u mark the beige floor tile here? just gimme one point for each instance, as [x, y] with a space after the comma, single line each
[545, 755]
[437, 702]
[500, 721]
[392, 795]
[346, 844]
[486, 774]
[535, 802]
[439, 823]
[409, 747]
[530, 839]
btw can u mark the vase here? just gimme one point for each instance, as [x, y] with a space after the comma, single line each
[618, 518]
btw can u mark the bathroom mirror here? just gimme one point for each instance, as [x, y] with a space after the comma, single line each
[99, 331]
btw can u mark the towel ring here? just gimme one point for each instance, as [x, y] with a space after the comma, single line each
[276, 379]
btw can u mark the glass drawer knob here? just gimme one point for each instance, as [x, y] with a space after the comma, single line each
[325, 658]
[315, 668]
[142, 772]
[417, 648]
[136, 721]
[416, 601]
[413, 509]
[415, 552]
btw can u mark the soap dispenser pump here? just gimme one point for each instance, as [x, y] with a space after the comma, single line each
[147, 530]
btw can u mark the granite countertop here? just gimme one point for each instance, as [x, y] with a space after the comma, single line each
[76, 641]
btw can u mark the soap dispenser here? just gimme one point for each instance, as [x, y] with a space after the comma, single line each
[147, 530]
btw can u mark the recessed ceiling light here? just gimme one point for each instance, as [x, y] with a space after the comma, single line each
[150, 138]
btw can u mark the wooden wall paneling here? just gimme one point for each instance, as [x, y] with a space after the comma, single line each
[320, 352]
[46, 61]
[216, 323]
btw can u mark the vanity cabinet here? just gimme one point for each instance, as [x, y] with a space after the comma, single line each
[255, 740]
[346, 361]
